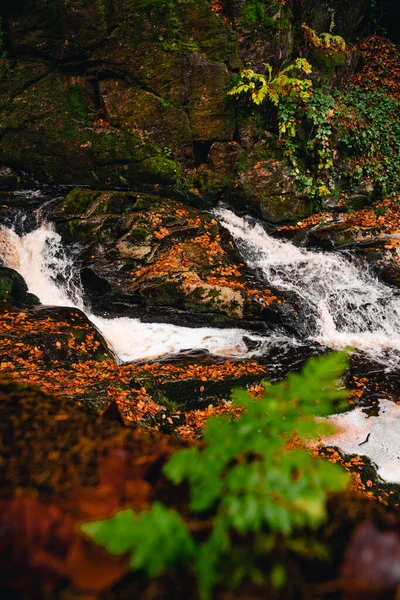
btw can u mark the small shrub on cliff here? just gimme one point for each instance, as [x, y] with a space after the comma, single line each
[296, 99]
[327, 41]
[251, 488]
[351, 134]
[282, 86]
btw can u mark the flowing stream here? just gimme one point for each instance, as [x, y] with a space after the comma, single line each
[344, 306]
[347, 305]
[49, 272]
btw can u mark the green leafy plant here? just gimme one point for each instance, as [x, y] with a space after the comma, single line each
[325, 40]
[368, 124]
[296, 99]
[316, 117]
[351, 134]
[260, 488]
[261, 12]
[157, 538]
[262, 87]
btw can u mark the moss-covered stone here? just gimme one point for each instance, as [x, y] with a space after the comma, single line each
[211, 117]
[268, 186]
[150, 117]
[13, 289]
[142, 249]
[61, 31]
[217, 176]
[50, 129]
[206, 28]
[77, 202]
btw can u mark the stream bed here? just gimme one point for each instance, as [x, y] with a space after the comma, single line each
[343, 304]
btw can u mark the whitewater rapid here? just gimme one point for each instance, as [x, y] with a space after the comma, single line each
[49, 272]
[347, 305]
[344, 306]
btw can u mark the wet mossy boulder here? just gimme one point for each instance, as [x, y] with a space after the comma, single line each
[54, 336]
[266, 31]
[267, 185]
[56, 30]
[211, 114]
[51, 129]
[134, 94]
[149, 116]
[112, 94]
[218, 175]
[13, 289]
[152, 251]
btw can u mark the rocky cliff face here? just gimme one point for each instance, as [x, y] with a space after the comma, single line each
[134, 93]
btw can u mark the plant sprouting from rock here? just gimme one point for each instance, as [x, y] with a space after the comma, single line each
[262, 87]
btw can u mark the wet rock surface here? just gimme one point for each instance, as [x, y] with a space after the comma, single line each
[271, 190]
[110, 94]
[13, 289]
[56, 335]
[379, 249]
[156, 252]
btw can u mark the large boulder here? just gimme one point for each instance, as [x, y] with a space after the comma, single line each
[13, 289]
[52, 336]
[112, 93]
[50, 128]
[268, 186]
[152, 251]
[148, 116]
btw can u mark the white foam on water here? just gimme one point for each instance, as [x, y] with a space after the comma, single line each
[134, 340]
[40, 258]
[378, 436]
[348, 305]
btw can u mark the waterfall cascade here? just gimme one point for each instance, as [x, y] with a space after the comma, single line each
[49, 272]
[349, 306]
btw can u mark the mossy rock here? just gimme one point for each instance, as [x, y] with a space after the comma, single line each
[143, 56]
[150, 117]
[143, 249]
[269, 187]
[43, 128]
[197, 393]
[63, 336]
[207, 29]
[50, 130]
[55, 29]
[13, 289]
[159, 83]
[211, 115]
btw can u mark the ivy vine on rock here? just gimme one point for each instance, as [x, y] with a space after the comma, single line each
[345, 135]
